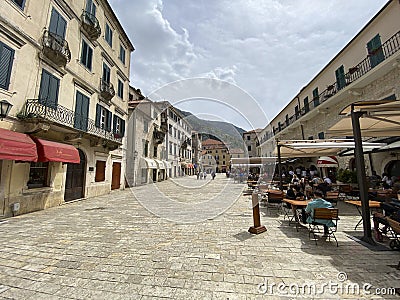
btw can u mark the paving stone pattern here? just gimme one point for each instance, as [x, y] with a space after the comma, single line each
[111, 247]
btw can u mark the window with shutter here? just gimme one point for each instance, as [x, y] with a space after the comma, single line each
[91, 7]
[122, 54]
[106, 73]
[48, 93]
[86, 55]
[315, 97]
[340, 78]
[6, 62]
[81, 111]
[120, 89]
[375, 51]
[58, 24]
[306, 105]
[108, 35]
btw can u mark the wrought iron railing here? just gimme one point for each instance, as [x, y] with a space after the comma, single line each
[58, 46]
[106, 89]
[390, 47]
[42, 109]
[91, 25]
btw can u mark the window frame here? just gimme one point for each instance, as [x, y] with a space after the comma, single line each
[22, 6]
[10, 63]
[120, 89]
[122, 53]
[43, 182]
[108, 35]
[88, 58]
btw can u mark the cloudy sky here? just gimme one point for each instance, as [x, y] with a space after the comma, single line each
[267, 49]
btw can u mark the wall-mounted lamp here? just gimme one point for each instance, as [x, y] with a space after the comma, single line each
[5, 108]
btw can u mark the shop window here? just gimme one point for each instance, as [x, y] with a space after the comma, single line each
[100, 171]
[38, 175]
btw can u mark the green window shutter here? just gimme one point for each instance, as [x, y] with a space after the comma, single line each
[315, 97]
[340, 78]
[306, 105]
[53, 92]
[375, 51]
[44, 87]
[6, 62]
[81, 111]
[98, 115]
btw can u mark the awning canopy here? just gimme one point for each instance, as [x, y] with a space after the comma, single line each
[53, 151]
[380, 118]
[327, 162]
[17, 146]
[160, 164]
[149, 163]
[256, 161]
[167, 164]
[313, 148]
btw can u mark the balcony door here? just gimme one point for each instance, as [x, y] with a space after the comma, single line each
[58, 24]
[48, 93]
[375, 51]
[81, 111]
[106, 73]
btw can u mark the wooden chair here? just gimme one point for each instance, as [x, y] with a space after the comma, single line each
[345, 192]
[330, 214]
[276, 198]
[332, 197]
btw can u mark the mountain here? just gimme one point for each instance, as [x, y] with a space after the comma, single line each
[223, 131]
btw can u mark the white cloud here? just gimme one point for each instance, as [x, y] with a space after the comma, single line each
[269, 48]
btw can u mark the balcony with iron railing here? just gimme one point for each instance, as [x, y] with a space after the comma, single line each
[36, 109]
[106, 90]
[90, 25]
[158, 136]
[56, 48]
[374, 58]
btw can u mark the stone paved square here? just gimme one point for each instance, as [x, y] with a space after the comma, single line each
[112, 247]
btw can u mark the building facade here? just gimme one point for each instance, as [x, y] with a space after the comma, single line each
[251, 141]
[146, 153]
[215, 156]
[178, 146]
[65, 70]
[367, 68]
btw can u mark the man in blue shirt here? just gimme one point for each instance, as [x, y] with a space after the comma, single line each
[317, 202]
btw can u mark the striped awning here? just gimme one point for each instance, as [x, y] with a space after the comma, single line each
[327, 162]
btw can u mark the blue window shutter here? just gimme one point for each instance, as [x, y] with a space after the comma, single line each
[58, 24]
[98, 115]
[109, 118]
[375, 51]
[90, 56]
[6, 62]
[89, 4]
[85, 112]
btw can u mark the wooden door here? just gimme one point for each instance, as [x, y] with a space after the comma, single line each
[75, 181]
[116, 176]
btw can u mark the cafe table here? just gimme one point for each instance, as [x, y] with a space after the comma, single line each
[358, 205]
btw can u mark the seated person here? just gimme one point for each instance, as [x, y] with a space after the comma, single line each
[390, 209]
[299, 193]
[324, 187]
[318, 202]
[290, 194]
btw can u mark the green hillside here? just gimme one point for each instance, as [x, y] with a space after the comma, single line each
[226, 132]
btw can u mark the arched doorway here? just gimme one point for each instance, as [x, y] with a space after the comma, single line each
[393, 168]
[75, 181]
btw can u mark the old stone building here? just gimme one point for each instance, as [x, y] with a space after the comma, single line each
[65, 69]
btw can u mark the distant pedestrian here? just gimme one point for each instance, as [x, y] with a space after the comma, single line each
[213, 175]
[198, 175]
[205, 174]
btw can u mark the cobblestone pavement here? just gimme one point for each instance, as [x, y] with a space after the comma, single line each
[111, 247]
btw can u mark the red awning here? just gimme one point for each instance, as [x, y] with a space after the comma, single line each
[53, 151]
[327, 162]
[16, 146]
